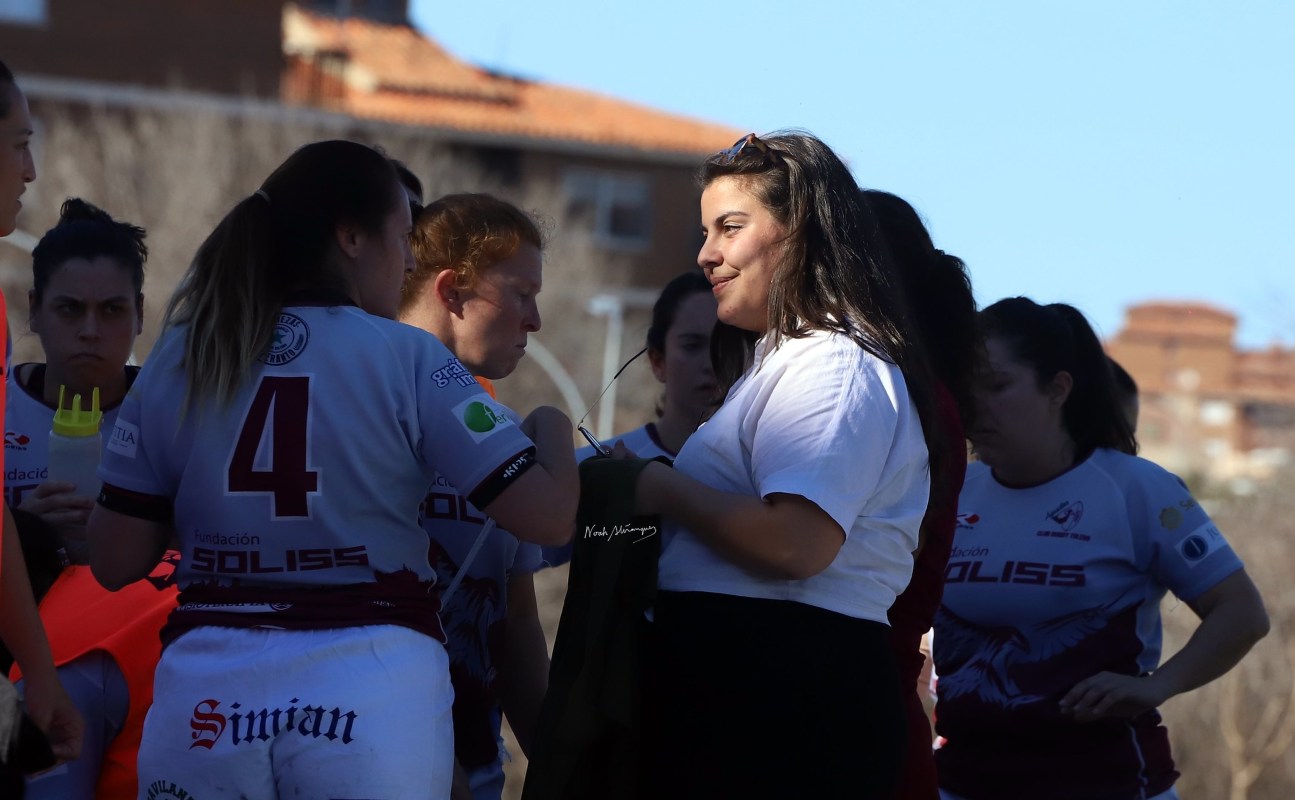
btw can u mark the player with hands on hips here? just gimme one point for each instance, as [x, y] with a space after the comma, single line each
[1048, 642]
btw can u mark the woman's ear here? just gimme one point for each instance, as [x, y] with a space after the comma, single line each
[1059, 388]
[657, 359]
[448, 294]
[349, 238]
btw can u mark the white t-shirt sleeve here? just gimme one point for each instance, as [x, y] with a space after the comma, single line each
[825, 436]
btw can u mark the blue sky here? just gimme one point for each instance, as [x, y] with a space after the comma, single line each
[1101, 154]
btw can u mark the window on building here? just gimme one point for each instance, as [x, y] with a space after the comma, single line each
[1217, 412]
[616, 207]
[24, 12]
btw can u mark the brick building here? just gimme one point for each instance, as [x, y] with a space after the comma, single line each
[1208, 409]
[167, 113]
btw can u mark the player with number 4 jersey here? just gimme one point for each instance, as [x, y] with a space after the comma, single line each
[284, 431]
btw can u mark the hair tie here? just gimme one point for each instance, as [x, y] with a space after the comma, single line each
[263, 195]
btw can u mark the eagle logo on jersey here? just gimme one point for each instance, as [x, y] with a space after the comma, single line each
[1068, 514]
[288, 340]
[1006, 666]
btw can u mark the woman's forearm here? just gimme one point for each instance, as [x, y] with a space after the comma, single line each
[20, 625]
[1233, 619]
[782, 536]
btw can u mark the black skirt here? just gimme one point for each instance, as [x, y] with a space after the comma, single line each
[767, 698]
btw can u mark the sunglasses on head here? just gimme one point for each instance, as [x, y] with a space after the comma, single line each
[750, 140]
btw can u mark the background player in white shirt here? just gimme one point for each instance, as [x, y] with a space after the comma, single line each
[479, 270]
[678, 348]
[86, 306]
[791, 515]
[285, 430]
[1048, 640]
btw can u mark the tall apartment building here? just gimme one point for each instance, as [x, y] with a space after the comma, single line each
[1208, 408]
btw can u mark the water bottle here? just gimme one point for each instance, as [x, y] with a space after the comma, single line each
[75, 445]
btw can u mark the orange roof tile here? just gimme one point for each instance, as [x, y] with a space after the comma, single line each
[394, 73]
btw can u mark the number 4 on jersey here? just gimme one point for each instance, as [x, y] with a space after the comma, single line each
[288, 479]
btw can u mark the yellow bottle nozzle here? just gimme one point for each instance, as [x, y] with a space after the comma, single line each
[73, 421]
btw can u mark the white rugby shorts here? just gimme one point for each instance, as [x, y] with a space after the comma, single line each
[359, 713]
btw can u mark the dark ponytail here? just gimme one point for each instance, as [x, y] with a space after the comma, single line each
[277, 239]
[939, 296]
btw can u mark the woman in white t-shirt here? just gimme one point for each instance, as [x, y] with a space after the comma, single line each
[792, 514]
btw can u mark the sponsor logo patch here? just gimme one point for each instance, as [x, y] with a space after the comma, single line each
[246, 726]
[482, 417]
[288, 341]
[1170, 518]
[455, 372]
[1200, 543]
[13, 440]
[967, 521]
[125, 439]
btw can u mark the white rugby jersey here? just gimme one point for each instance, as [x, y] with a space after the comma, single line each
[313, 475]
[475, 617]
[27, 421]
[1050, 584]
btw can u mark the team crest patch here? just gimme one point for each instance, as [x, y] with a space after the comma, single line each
[482, 417]
[288, 340]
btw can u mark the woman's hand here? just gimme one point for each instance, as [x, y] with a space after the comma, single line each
[1232, 620]
[1109, 695]
[50, 707]
[57, 504]
[621, 452]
